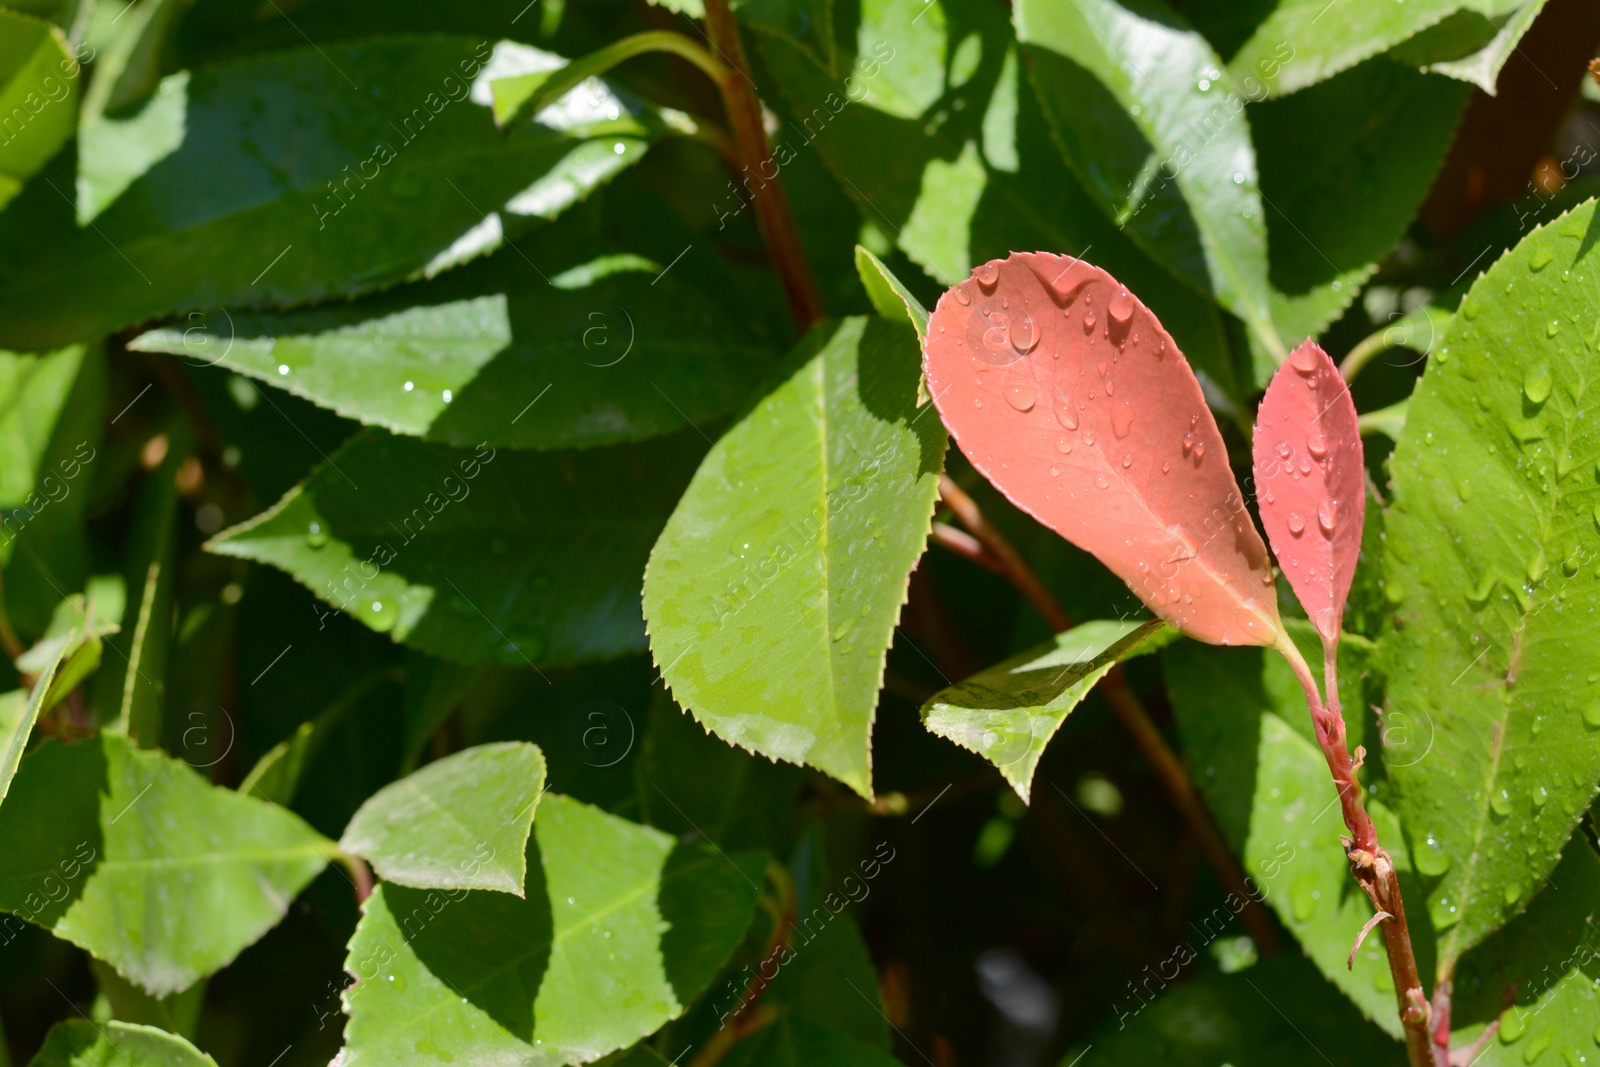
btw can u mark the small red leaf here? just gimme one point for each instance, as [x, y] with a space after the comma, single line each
[1064, 390]
[1308, 464]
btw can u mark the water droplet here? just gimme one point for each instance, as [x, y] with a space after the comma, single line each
[1513, 894]
[1063, 445]
[1325, 517]
[1536, 565]
[1188, 446]
[1431, 858]
[1305, 466]
[1470, 308]
[1055, 472]
[1120, 307]
[1304, 896]
[1122, 415]
[283, 368]
[1553, 328]
[847, 624]
[1284, 450]
[1199, 451]
[1500, 803]
[1127, 461]
[1317, 446]
[1537, 1045]
[1088, 438]
[1066, 414]
[1238, 177]
[317, 536]
[1304, 360]
[977, 403]
[1513, 1024]
[1023, 333]
[409, 386]
[1020, 395]
[1591, 716]
[1297, 525]
[1101, 481]
[1541, 257]
[988, 276]
[1536, 384]
[962, 298]
[1540, 798]
[1166, 468]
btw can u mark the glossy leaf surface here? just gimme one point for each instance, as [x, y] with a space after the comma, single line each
[1490, 571]
[1309, 466]
[1008, 713]
[461, 822]
[376, 533]
[134, 857]
[221, 191]
[1064, 390]
[83, 1043]
[620, 929]
[1127, 86]
[773, 592]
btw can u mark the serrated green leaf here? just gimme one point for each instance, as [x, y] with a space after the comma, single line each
[1545, 959]
[1481, 66]
[1303, 42]
[1277, 1012]
[222, 191]
[581, 349]
[1492, 654]
[974, 180]
[773, 592]
[480, 556]
[71, 645]
[38, 97]
[81, 1043]
[461, 822]
[134, 857]
[619, 931]
[1156, 129]
[1247, 734]
[889, 296]
[1009, 712]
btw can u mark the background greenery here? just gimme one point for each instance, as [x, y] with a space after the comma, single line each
[378, 481]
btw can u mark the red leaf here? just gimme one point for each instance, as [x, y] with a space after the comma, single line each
[1308, 464]
[1064, 390]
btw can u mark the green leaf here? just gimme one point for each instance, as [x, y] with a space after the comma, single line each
[1274, 1013]
[794, 1041]
[222, 191]
[889, 296]
[459, 823]
[1303, 42]
[619, 931]
[1492, 552]
[71, 645]
[1481, 66]
[1009, 712]
[1339, 194]
[20, 729]
[1389, 421]
[586, 348]
[52, 413]
[516, 558]
[38, 97]
[1156, 130]
[1546, 959]
[81, 1043]
[977, 178]
[773, 592]
[132, 856]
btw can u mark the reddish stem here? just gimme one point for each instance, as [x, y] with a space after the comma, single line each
[773, 215]
[1370, 864]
